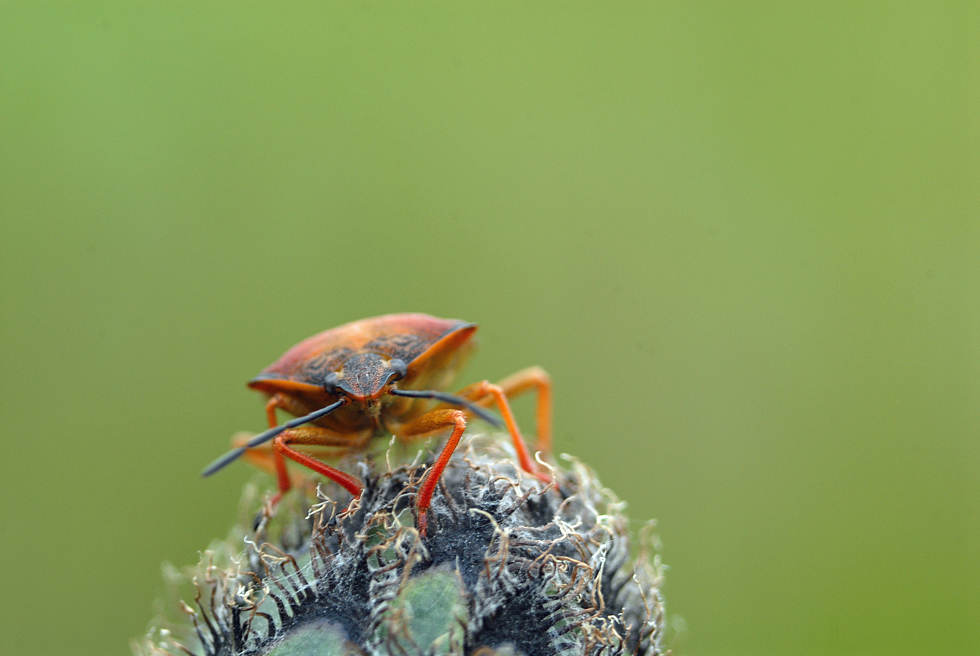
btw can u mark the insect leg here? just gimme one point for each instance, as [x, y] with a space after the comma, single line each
[310, 435]
[426, 424]
[538, 379]
[264, 457]
[286, 403]
[260, 457]
[485, 393]
[315, 436]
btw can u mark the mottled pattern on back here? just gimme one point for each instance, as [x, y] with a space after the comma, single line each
[318, 367]
[403, 336]
[404, 346]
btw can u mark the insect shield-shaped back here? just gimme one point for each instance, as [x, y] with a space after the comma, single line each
[422, 342]
[352, 365]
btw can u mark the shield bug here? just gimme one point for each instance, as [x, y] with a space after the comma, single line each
[384, 375]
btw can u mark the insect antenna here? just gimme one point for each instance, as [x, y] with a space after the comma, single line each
[448, 398]
[264, 437]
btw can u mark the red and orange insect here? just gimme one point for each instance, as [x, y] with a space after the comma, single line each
[381, 375]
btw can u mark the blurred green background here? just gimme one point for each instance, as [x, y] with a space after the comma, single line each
[742, 237]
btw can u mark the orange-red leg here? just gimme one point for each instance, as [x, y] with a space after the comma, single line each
[312, 436]
[426, 424]
[278, 401]
[486, 393]
[537, 379]
[264, 457]
[261, 457]
[308, 435]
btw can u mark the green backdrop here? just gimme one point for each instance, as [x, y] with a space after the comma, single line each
[743, 238]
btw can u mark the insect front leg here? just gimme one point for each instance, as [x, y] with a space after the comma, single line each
[314, 436]
[306, 435]
[426, 424]
[292, 406]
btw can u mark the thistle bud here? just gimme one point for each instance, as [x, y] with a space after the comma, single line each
[509, 566]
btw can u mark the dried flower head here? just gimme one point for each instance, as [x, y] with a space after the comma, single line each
[509, 566]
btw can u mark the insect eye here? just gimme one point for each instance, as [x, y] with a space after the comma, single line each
[399, 367]
[331, 380]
